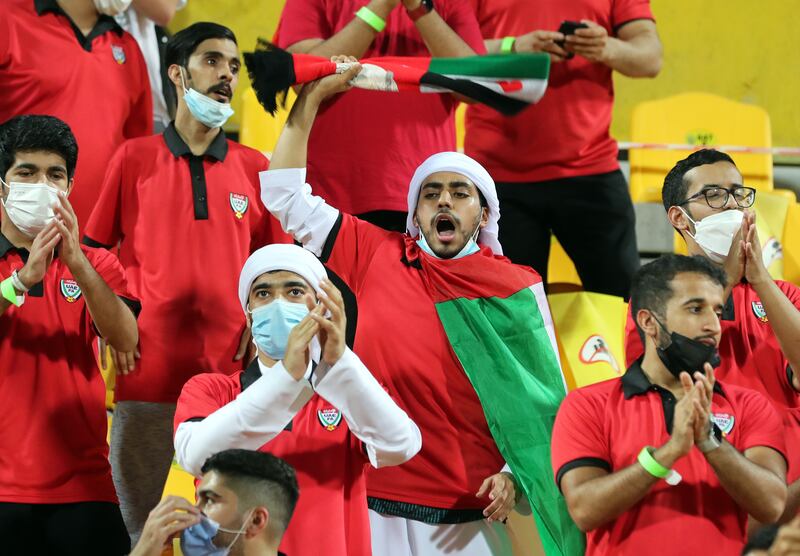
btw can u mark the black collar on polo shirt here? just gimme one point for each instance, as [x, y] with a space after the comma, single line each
[729, 311]
[104, 23]
[37, 290]
[636, 383]
[218, 149]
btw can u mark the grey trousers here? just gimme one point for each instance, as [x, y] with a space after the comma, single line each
[141, 454]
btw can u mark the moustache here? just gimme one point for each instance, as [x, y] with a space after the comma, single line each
[223, 88]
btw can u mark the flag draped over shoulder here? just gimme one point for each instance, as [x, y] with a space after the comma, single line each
[508, 82]
[496, 317]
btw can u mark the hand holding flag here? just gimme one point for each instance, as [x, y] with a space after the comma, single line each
[508, 83]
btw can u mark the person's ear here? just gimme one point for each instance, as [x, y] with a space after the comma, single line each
[647, 323]
[69, 186]
[678, 219]
[174, 74]
[259, 520]
[415, 220]
[484, 217]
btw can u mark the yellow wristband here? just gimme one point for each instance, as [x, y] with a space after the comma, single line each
[371, 18]
[507, 45]
[10, 294]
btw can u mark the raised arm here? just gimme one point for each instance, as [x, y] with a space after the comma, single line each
[283, 189]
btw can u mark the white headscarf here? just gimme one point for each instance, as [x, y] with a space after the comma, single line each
[280, 257]
[477, 174]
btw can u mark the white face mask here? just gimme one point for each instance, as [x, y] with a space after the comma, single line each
[30, 206]
[111, 7]
[714, 233]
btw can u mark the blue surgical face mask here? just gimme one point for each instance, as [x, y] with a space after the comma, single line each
[272, 324]
[206, 110]
[198, 540]
[469, 248]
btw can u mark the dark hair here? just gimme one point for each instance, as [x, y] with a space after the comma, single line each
[258, 479]
[650, 288]
[183, 43]
[675, 187]
[762, 539]
[37, 133]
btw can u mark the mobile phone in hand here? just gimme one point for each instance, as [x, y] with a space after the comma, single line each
[568, 28]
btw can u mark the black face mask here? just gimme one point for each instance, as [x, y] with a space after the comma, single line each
[685, 354]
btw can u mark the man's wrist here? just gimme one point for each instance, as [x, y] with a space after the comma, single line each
[80, 267]
[668, 454]
[24, 275]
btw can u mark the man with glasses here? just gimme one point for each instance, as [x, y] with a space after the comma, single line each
[760, 346]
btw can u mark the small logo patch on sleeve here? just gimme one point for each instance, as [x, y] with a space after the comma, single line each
[119, 53]
[239, 204]
[759, 312]
[724, 421]
[330, 417]
[70, 290]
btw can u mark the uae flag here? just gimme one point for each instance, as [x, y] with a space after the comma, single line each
[498, 323]
[508, 82]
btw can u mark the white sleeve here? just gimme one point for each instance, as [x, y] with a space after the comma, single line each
[523, 506]
[254, 418]
[390, 436]
[308, 218]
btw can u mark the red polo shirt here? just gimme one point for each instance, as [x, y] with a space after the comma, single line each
[750, 355]
[607, 424]
[420, 370]
[567, 133]
[389, 134]
[186, 224]
[52, 397]
[331, 514]
[97, 84]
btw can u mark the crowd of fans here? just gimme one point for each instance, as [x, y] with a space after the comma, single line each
[349, 345]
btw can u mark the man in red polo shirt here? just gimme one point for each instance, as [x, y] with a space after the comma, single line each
[718, 447]
[707, 203]
[306, 398]
[555, 163]
[56, 493]
[184, 208]
[67, 60]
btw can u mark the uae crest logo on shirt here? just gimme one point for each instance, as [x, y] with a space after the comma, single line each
[330, 417]
[239, 204]
[759, 312]
[724, 421]
[70, 290]
[118, 53]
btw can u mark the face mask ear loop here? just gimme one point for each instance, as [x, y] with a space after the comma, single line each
[686, 214]
[183, 81]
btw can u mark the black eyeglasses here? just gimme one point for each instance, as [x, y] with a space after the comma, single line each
[717, 197]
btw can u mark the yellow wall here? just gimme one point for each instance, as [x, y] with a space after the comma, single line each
[740, 49]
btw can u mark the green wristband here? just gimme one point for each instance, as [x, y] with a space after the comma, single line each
[657, 470]
[10, 294]
[507, 45]
[371, 18]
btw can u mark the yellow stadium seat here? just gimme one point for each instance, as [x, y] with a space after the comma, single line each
[560, 268]
[791, 244]
[258, 129]
[590, 329]
[696, 119]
